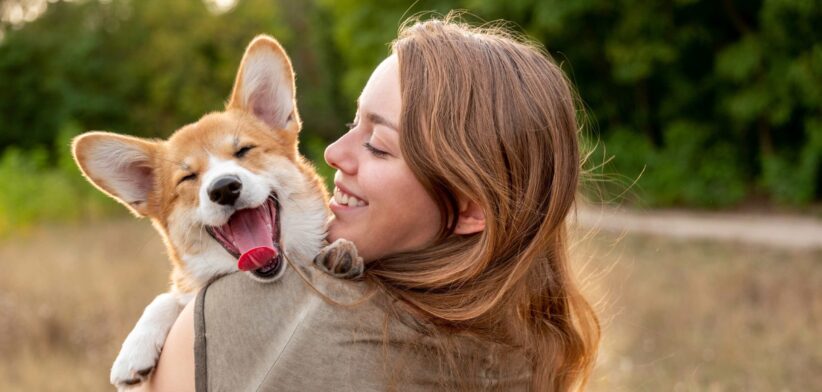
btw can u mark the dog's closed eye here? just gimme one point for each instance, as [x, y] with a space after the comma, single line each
[242, 151]
[190, 177]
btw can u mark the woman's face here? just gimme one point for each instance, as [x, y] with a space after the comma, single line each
[378, 203]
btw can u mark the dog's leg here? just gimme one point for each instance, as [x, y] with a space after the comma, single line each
[340, 259]
[140, 351]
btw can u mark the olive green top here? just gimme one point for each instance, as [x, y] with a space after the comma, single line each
[283, 336]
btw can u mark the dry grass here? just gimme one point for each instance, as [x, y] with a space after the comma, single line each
[706, 316]
[683, 316]
[69, 296]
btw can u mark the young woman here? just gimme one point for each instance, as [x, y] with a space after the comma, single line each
[463, 161]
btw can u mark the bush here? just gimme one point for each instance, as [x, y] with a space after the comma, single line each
[795, 178]
[34, 188]
[689, 169]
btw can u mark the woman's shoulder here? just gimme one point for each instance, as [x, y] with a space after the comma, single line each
[250, 334]
[298, 297]
[289, 335]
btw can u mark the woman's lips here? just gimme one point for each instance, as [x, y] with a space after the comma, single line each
[343, 197]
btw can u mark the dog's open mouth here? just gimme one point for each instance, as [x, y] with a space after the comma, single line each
[253, 236]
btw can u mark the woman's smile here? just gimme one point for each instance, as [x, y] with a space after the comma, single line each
[344, 199]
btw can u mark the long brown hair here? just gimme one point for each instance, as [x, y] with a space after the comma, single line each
[490, 117]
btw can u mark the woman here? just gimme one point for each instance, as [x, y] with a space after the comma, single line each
[463, 162]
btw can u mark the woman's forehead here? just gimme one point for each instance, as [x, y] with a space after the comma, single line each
[381, 95]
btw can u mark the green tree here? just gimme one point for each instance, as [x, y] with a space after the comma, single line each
[715, 101]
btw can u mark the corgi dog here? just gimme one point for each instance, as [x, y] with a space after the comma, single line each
[230, 186]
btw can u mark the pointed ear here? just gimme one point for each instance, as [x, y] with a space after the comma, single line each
[120, 166]
[265, 85]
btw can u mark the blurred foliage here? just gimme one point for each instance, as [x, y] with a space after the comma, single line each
[714, 102]
[148, 67]
[34, 188]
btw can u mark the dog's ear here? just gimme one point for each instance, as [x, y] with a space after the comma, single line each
[264, 85]
[120, 166]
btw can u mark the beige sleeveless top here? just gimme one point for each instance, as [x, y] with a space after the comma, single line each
[283, 336]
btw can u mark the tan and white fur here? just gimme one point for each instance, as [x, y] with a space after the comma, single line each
[168, 181]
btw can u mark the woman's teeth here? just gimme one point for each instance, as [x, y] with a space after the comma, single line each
[345, 199]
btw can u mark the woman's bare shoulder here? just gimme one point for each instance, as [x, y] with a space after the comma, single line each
[175, 369]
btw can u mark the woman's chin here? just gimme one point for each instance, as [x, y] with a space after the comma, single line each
[337, 230]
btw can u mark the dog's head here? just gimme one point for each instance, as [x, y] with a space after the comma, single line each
[230, 184]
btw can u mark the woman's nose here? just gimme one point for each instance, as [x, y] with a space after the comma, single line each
[340, 156]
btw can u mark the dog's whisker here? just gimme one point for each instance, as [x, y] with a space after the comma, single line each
[200, 233]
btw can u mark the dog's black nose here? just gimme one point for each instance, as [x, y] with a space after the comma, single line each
[225, 190]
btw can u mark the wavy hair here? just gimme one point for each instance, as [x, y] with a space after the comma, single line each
[490, 117]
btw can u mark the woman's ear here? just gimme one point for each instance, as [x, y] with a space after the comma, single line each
[471, 218]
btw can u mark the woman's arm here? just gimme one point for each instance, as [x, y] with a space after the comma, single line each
[175, 369]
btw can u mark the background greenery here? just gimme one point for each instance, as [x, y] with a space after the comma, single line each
[716, 103]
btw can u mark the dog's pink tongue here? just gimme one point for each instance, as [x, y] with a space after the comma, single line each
[253, 235]
[256, 258]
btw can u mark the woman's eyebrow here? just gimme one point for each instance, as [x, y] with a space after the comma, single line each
[380, 120]
[376, 118]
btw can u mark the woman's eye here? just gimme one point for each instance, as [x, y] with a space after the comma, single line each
[242, 151]
[190, 177]
[374, 151]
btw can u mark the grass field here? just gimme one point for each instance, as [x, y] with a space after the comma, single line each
[677, 316]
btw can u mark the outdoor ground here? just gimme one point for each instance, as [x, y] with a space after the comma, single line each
[679, 314]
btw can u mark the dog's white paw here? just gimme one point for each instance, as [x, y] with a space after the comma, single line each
[136, 360]
[340, 259]
[140, 351]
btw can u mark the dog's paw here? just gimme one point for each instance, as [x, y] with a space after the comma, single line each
[136, 378]
[340, 260]
[135, 362]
